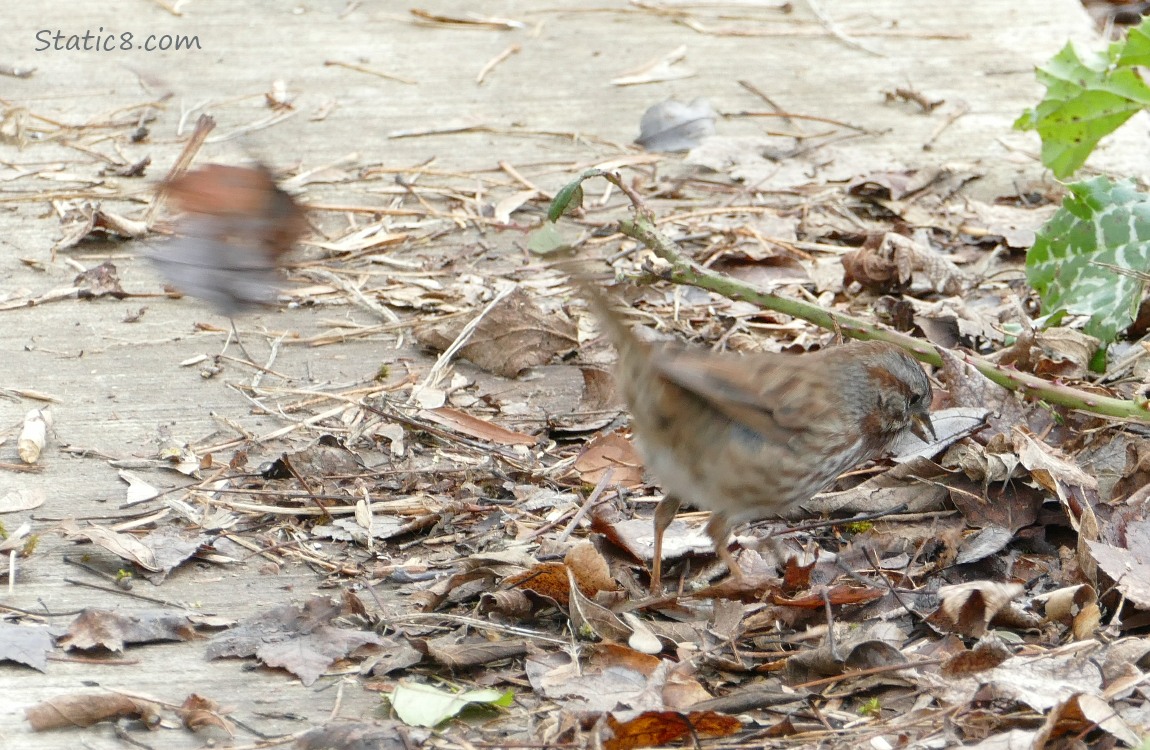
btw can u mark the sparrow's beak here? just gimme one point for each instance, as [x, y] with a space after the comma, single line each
[922, 427]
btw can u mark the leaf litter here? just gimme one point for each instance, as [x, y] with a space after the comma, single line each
[492, 548]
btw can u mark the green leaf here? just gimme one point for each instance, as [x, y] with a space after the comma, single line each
[569, 198]
[547, 239]
[1137, 48]
[1088, 97]
[1100, 222]
[426, 706]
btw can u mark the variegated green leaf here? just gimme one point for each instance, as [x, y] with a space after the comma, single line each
[1091, 257]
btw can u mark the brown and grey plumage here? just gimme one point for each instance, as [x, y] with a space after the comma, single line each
[747, 436]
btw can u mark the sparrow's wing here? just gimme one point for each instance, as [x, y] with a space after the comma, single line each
[217, 260]
[774, 395]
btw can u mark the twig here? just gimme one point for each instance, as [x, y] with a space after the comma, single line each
[592, 499]
[961, 109]
[838, 33]
[461, 340]
[132, 594]
[867, 672]
[369, 71]
[204, 126]
[762, 95]
[266, 122]
[513, 49]
[357, 296]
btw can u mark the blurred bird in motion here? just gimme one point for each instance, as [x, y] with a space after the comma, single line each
[236, 227]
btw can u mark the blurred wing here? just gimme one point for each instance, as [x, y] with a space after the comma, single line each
[771, 394]
[212, 261]
[237, 223]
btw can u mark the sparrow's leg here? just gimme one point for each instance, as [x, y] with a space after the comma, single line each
[719, 529]
[664, 513]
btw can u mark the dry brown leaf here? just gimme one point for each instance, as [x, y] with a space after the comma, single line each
[612, 676]
[637, 537]
[590, 569]
[121, 545]
[969, 608]
[967, 387]
[1052, 352]
[657, 728]
[93, 222]
[514, 334]
[300, 640]
[101, 281]
[516, 605]
[918, 484]
[21, 499]
[1129, 570]
[986, 654]
[1076, 490]
[171, 547]
[893, 185]
[384, 735]
[590, 618]
[1016, 225]
[84, 710]
[1039, 681]
[25, 644]
[888, 267]
[1079, 715]
[98, 628]
[469, 652]
[547, 579]
[466, 424]
[198, 712]
[610, 452]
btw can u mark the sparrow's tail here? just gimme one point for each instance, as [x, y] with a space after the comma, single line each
[615, 326]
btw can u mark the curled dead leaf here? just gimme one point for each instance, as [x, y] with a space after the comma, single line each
[889, 265]
[84, 710]
[987, 654]
[199, 713]
[33, 435]
[1052, 352]
[969, 608]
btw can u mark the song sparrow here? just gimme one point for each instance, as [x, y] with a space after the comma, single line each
[236, 225]
[746, 436]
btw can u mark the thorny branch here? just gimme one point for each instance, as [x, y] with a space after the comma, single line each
[685, 271]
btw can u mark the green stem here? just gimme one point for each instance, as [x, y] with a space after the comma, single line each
[685, 271]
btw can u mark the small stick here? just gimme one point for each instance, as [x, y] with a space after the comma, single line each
[513, 49]
[436, 371]
[369, 71]
[592, 499]
[204, 126]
